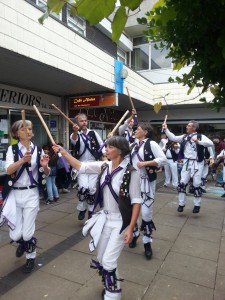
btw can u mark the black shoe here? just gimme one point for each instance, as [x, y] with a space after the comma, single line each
[203, 190]
[20, 249]
[223, 196]
[133, 243]
[180, 208]
[29, 266]
[81, 215]
[148, 250]
[90, 214]
[196, 209]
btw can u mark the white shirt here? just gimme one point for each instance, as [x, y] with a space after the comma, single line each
[160, 157]
[24, 179]
[222, 153]
[124, 127]
[190, 149]
[87, 156]
[109, 202]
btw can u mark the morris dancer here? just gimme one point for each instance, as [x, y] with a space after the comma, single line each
[87, 143]
[146, 157]
[208, 156]
[192, 152]
[126, 129]
[119, 197]
[21, 190]
[171, 151]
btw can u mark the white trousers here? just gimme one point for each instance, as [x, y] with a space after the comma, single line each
[171, 173]
[87, 181]
[205, 172]
[27, 207]
[110, 247]
[148, 195]
[185, 177]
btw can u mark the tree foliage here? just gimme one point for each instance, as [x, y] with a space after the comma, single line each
[95, 11]
[193, 32]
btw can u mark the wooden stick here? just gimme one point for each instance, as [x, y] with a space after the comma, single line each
[164, 123]
[165, 119]
[131, 102]
[65, 117]
[27, 144]
[114, 129]
[44, 124]
[120, 121]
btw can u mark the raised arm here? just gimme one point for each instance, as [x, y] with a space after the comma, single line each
[76, 164]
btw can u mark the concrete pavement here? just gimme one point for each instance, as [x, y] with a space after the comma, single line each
[188, 255]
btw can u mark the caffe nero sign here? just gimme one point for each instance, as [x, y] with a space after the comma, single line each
[24, 98]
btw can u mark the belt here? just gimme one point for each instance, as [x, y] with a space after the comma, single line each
[24, 187]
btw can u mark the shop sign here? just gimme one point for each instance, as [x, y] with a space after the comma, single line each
[94, 101]
[13, 97]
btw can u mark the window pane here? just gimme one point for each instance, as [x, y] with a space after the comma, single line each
[158, 59]
[75, 22]
[121, 55]
[140, 58]
[139, 41]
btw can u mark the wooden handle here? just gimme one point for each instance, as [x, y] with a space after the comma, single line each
[131, 102]
[44, 124]
[64, 116]
[27, 144]
[120, 121]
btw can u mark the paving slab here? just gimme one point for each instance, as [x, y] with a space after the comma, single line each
[219, 293]
[141, 271]
[221, 264]
[206, 219]
[9, 262]
[222, 244]
[175, 221]
[43, 286]
[196, 247]
[66, 226]
[169, 288]
[71, 265]
[166, 232]
[50, 215]
[190, 269]
[201, 233]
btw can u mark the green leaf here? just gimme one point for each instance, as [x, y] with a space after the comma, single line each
[95, 10]
[56, 5]
[44, 17]
[131, 4]
[118, 23]
[191, 88]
